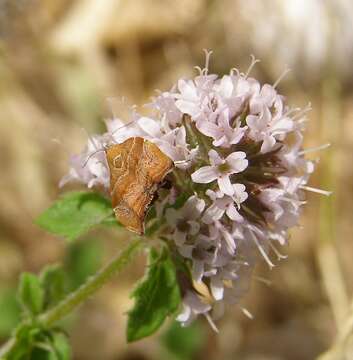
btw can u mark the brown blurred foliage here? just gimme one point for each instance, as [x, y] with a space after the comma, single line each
[61, 60]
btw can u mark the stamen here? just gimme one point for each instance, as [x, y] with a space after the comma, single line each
[253, 62]
[316, 190]
[199, 70]
[303, 112]
[263, 280]
[317, 148]
[261, 249]
[279, 255]
[240, 262]
[234, 70]
[207, 61]
[290, 111]
[212, 324]
[246, 312]
[284, 73]
[298, 202]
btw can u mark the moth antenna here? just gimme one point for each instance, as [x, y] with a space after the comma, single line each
[122, 126]
[90, 156]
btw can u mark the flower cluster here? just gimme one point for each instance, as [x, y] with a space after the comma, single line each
[237, 185]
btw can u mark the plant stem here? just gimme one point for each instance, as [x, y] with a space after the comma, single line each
[93, 284]
[76, 298]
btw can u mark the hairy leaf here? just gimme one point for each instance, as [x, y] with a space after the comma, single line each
[76, 213]
[31, 294]
[156, 297]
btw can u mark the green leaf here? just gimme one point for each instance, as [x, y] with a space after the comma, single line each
[35, 343]
[75, 214]
[52, 280]
[51, 346]
[9, 310]
[156, 297]
[31, 294]
[61, 346]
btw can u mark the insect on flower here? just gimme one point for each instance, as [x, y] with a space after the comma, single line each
[137, 167]
[233, 152]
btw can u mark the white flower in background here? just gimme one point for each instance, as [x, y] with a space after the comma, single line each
[237, 186]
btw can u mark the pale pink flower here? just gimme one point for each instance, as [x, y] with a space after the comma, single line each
[192, 306]
[184, 221]
[221, 131]
[225, 204]
[220, 170]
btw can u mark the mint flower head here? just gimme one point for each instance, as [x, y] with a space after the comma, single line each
[238, 183]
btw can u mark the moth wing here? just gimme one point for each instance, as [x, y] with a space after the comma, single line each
[157, 164]
[123, 160]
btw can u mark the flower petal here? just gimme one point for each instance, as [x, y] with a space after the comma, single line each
[217, 287]
[209, 129]
[214, 157]
[197, 270]
[233, 214]
[213, 213]
[225, 185]
[205, 175]
[150, 126]
[237, 161]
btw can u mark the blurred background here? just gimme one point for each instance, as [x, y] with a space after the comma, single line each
[59, 63]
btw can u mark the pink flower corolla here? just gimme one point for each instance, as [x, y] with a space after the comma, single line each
[221, 169]
[225, 204]
[89, 167]
[184, 221]
[221, 131]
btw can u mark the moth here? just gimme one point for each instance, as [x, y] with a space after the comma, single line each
[137, 168]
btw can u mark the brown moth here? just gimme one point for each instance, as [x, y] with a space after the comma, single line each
[137, 167]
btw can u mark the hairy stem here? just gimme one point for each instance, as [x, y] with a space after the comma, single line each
[76, 298]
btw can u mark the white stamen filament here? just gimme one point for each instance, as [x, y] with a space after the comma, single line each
[246, 312]
[316, 190]
[207, 60]
[284, 73]
[261, 249]
[212, 324]
[298, 202]
[317, 148]
[302, 112]
[279, 255]
[254, 61]
[234, 70]
[291, 111]
[263, 280]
